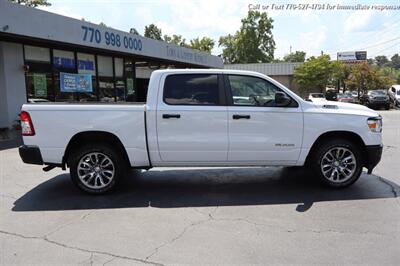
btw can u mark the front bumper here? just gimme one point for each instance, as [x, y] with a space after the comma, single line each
[379, 103]
[30, 154]
[374, 155]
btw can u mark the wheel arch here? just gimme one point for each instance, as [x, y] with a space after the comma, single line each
[86, 137]
[342, 134]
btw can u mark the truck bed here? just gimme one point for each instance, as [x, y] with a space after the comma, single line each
[57, 123]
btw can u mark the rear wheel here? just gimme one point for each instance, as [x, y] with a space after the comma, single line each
[96, 168]
[337, 163]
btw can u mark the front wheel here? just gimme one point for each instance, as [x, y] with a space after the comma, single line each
[96, 168]
[337, 163]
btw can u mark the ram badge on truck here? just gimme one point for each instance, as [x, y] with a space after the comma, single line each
[202, 118]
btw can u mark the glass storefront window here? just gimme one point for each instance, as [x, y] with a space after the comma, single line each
[130, 80]
[87, 66]
[39, 82]
[119, 79]
[38, 54]
[106, 79]
[105, 66]
[63, 59]
[113, 80]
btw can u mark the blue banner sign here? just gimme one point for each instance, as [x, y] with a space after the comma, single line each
[75, 82]
[63, 62]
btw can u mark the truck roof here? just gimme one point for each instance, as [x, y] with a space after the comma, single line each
[208, 70]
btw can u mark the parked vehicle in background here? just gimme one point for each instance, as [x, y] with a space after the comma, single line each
[345, 97]
[331, 95]
[394, 95]
[354, 94]
[210, 117]
[376, 99]
[316, 97]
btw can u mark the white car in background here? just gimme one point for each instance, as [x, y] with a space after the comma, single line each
[394, 94]
[316, 97]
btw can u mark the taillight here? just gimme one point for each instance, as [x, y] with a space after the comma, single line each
[26, 124]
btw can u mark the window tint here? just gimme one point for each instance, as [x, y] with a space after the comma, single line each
[191, 89]
[253, 91]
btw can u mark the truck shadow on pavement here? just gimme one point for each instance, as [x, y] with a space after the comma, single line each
[203, 187]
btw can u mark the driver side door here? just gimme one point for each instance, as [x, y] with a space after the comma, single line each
[260, 133]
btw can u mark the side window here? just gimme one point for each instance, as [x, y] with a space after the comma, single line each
[191, 89]
[252, 91]
[393, 90]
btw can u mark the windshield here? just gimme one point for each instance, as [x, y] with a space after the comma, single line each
[398, 92]
[377, 93]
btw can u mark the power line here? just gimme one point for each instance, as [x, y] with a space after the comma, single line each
[384, 49]
[379, 44]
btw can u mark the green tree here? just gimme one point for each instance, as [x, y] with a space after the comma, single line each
[229, 51]
[298, 56]
[315, 73]
[153, 32]
[32, 3]
[340, 73]
[252, 43]
[363, 77]
[381, 60]
[103, 24]
[175, 39]
[396, 61]
[204, 44]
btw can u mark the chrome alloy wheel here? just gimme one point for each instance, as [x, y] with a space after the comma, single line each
[96, 170]
[338, 164]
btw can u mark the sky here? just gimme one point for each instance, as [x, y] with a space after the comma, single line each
[312, 31]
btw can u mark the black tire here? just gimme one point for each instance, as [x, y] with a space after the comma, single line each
[387, 107]
[317, 155]
[105, 150]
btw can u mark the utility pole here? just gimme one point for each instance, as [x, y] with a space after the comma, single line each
[290, 49]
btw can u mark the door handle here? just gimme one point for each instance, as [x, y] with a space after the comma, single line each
[168, 116]
[241, 116]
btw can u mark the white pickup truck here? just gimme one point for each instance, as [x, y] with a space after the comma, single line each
[202, 118]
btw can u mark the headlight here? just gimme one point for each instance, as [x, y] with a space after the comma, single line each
[375, 124]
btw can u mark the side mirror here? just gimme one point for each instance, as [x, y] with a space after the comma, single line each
[281, 99]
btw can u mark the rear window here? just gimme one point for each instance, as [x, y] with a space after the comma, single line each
[191, 89]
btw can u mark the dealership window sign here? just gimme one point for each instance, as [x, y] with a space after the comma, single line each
[355, 57]
[40, 85]
[129, 85]
[75, 82]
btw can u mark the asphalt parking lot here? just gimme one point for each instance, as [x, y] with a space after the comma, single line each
[202, 216]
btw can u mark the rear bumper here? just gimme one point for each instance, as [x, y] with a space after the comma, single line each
[30, 154]
[374, 155]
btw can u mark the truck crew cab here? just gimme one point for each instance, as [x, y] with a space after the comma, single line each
[202, 118]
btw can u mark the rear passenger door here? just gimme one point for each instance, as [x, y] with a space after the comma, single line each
[192, 123]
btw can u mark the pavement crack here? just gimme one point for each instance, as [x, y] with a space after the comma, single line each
[81, 249]
[110, 260]
[182, 233]
[81, 218]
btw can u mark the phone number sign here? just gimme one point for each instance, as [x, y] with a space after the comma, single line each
[112, 39]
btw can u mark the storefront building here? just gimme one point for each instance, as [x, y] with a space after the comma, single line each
[48, 57]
